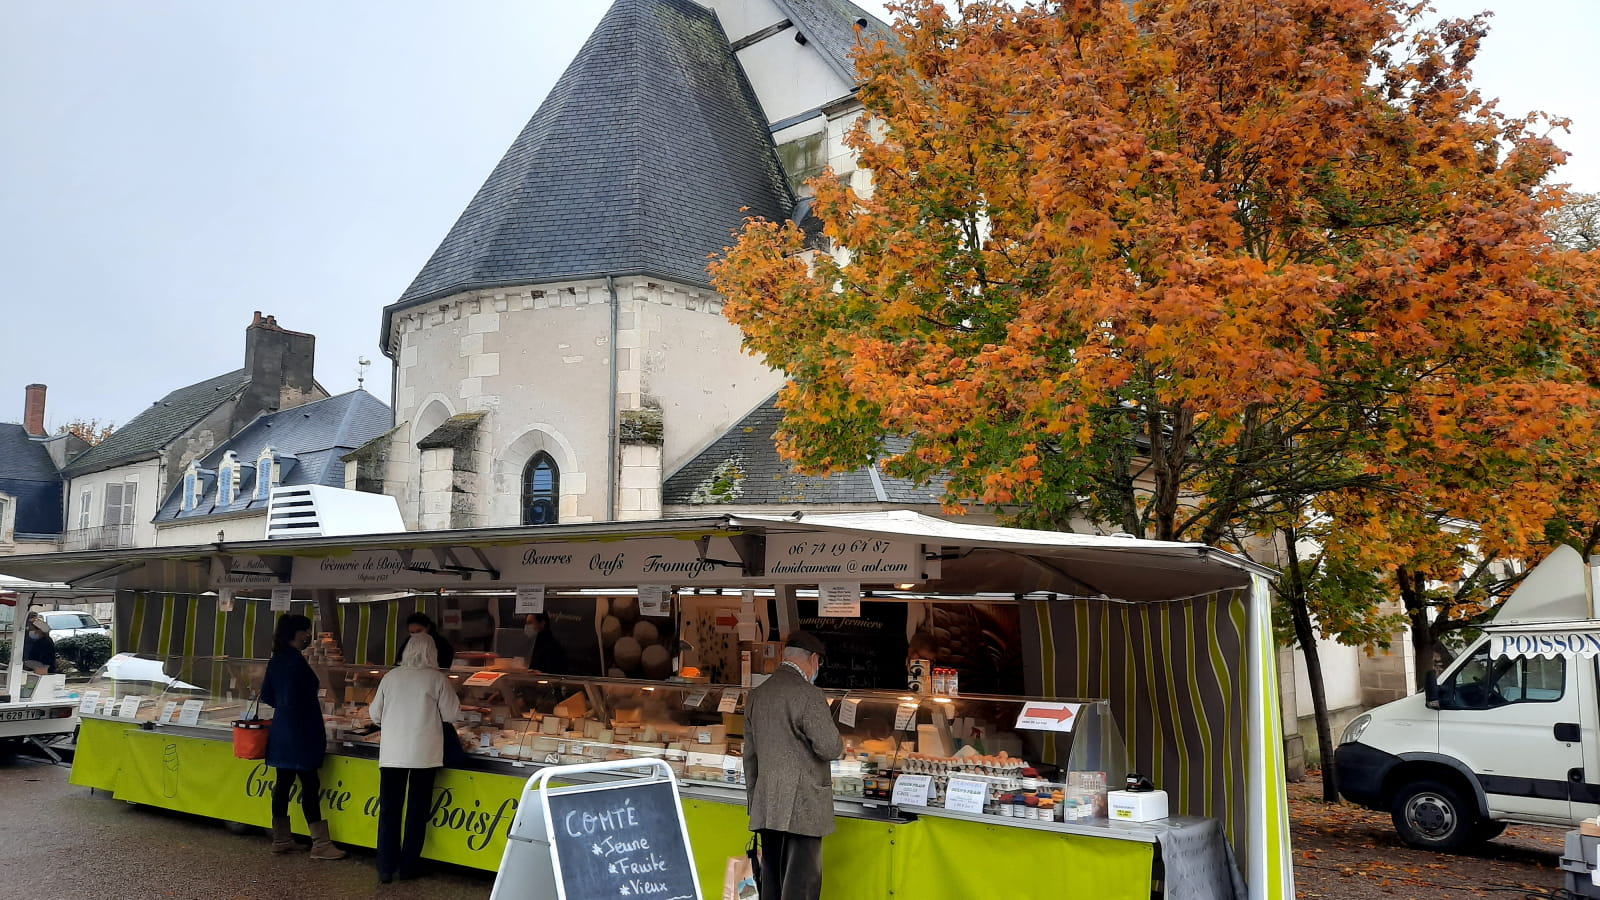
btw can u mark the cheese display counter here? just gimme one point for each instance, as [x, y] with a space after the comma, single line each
[986, 734]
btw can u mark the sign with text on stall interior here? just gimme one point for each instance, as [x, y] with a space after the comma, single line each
[809, 558]
[619, 839]
[1038, 716]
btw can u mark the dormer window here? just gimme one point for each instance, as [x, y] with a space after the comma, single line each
[227, 479]
[266, 473]
[193, 486]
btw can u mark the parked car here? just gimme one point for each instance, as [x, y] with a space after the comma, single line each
[67, 623]
[1510, 732]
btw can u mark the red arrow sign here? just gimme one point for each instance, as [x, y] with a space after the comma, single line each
[1047, 716]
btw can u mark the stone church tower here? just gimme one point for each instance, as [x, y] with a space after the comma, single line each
[562, 350]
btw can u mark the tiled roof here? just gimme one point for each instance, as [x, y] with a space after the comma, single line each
[641, 160]
[309, 440]
[830, 25]
[160, 425]
[28, 474]
[743, 467]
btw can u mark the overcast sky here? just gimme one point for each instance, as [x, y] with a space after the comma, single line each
[170, 166]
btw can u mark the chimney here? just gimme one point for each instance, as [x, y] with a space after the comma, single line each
[33, 410]
[279, 363]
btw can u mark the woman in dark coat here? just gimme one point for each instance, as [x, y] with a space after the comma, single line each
[296, 743]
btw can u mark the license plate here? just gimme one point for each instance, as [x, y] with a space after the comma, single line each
[22, 715]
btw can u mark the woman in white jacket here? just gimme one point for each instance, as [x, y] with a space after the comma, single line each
[411, 702]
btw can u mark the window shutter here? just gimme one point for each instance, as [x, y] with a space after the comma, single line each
[112, 510]
[85, 500]
[130, 492]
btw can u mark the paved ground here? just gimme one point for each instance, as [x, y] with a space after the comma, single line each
[68, 844]
[1348, 853]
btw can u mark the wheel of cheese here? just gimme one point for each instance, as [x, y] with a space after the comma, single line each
[626, 609]
[610, 629]
[626, 654]
[646, 632]
[657, 661]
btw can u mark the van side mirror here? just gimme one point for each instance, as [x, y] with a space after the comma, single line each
[1430, 690]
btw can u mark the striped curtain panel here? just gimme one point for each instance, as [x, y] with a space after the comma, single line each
[1175, 676]
[371, 632]
[186, 630]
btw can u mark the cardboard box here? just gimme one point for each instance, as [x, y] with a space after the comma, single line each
[1590, 827]
[1141, 806]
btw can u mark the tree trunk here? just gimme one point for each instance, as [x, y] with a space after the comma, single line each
[1413, 594]
[1305, 634]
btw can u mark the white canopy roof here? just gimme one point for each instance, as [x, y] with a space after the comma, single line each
[973, 559]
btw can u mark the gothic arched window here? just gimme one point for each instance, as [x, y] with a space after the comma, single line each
[541, 491]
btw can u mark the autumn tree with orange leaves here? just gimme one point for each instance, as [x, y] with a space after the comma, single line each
[1185, 273]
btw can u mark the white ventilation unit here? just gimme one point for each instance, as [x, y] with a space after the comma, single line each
[298, 511]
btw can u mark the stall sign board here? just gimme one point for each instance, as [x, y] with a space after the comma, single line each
[167, 712]
[729, 702]
[618, 839]
[847, 712]
[89, 703]
[965, 795]
[530, 599]
[1048, 716]
[130, 707]
[695, 698]
[225, 600]
[191, 712]
[808, 559]
[653, 600]
[483, 679]
[912, 790]
[839, 600]
[281, 596]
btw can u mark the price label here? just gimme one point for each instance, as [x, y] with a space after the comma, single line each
[225, 600]
[281, 597]
[483, 742]
[191, 712]
[963, 795]
[130, 707]
[451, 619]
[847, 712]
[905, 717]
[839, 600]
[729, 702]
[653, 600]
[530, 599]
[733, 764]
[695, 698]
[1048, 716]
[913, 790]
[167, 712]
[484, 678]
[89, 703]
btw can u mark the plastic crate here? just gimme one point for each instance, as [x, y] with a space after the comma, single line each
[1581, 858]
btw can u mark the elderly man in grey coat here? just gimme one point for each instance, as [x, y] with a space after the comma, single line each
[788, 742]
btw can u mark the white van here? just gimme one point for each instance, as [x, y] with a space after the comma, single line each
[1509, 733]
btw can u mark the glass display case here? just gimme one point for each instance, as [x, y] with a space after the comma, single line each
[1059, 773]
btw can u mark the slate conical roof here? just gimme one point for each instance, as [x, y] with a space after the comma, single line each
[638, 161]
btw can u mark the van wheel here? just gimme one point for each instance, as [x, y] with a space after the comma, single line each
[1432, 816]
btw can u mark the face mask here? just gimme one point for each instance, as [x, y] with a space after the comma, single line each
[529, 630]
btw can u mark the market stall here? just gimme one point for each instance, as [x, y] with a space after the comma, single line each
[1020, 674]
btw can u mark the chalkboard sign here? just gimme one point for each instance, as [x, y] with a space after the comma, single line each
[621, 841]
